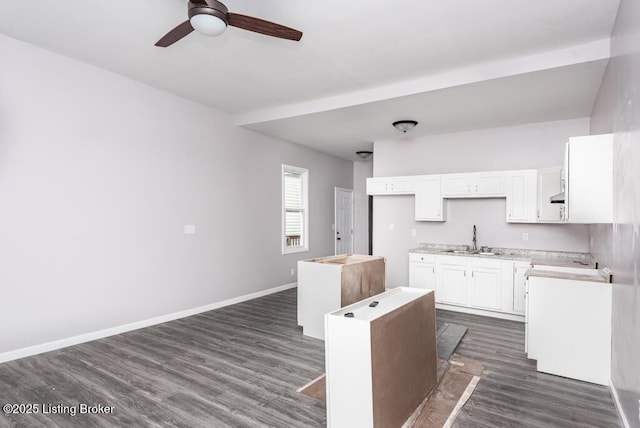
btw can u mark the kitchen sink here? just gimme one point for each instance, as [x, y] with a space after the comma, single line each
[473, 252]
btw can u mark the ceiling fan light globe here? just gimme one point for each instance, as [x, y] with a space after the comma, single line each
[208, 25]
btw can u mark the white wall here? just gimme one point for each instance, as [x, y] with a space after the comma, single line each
[517, 147]
[361, 171]
[98, 175]
[617, 110]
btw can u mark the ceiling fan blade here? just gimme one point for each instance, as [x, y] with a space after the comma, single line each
[261, 26]
[176, 34]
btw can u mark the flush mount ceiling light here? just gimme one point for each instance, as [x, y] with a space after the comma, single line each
[211, 23]
[364, 154]
[405, 125]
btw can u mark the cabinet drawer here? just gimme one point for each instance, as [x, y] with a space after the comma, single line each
[419, 257]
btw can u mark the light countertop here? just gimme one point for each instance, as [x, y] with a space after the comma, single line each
[536, 257]
[599, 275]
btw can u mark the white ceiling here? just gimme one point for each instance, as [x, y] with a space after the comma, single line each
[450, 64]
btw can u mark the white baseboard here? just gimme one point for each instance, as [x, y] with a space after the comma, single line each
[616, 400]
[87, 337]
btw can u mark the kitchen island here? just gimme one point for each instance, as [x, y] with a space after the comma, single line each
[326, 284]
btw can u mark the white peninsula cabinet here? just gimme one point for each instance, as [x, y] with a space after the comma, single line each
[390, 186]
[477, 285]
[429, 202]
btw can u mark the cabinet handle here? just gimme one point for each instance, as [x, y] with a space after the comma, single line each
[468, 188]
[438, 215]
[538, 213]
[476, 188]
[471, 274]
[433, 270]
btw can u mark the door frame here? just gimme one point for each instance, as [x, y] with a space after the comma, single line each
[335, 217]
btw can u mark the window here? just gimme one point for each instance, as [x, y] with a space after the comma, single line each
[295, 215]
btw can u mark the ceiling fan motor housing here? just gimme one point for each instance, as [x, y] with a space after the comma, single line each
[213, 7]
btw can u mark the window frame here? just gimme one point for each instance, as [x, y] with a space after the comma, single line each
[304, 173]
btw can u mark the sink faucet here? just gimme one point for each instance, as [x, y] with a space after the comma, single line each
[475, 242]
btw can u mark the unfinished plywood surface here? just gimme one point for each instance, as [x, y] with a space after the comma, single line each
[317, 388]
[363, 279]
[452, 392]
[404, 361]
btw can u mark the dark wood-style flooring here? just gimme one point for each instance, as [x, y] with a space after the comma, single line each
[240, 366]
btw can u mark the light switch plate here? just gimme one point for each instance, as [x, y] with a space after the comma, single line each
[189, 229]
[525, 236]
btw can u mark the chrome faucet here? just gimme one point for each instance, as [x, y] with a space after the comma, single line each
[475, 242]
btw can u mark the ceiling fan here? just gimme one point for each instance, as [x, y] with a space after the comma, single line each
[210, 17]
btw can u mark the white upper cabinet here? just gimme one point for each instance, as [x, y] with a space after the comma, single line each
[549, 184]
[429, 202]
[474, 185]
[521, 196]
[390, 185]
[589, 179]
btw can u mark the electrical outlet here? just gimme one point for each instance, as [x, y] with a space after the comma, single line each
[525, 236]
[292, 272]
[392, 227]
[414, 232]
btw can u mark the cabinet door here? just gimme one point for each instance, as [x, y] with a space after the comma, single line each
[519, 286]
[422, 275]
[485, 285]
[549, 184]
[402, 185]
[390, 185]
[429, 206]
[456, 185]
[488, 184]
[451, 281]
[589, 186]
[376, 186]
[521, 196]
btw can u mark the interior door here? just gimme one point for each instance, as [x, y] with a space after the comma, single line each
[343, 221]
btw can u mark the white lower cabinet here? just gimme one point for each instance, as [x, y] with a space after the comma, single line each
[484, 286]
[569, 328]
[423, 271]
[451, 280]
[520, 286]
